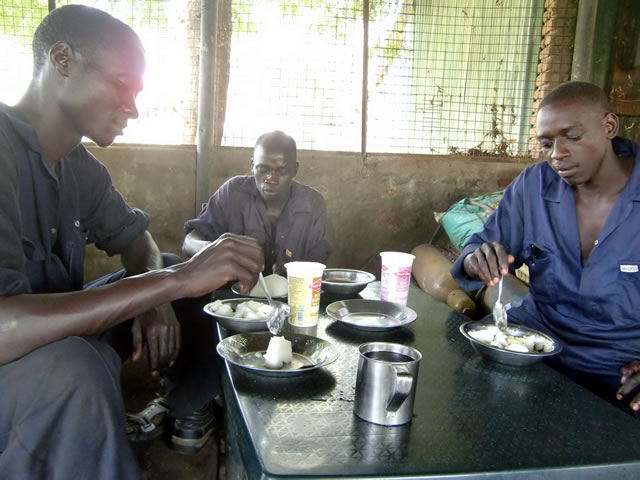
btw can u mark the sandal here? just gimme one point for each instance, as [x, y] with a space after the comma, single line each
[149, 423]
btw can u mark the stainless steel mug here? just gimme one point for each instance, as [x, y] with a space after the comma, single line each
[386, 383]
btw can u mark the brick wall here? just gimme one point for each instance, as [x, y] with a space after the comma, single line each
[556, 53]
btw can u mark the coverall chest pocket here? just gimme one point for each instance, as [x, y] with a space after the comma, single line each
[626, 292]
[542, 271]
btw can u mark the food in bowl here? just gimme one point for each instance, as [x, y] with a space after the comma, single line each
[277, 285]
[525, 343]
[278, 353]
[250, 310]
[345, 281]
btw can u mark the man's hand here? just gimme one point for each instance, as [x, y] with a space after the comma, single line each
[158, 332]
[230, 257]
[630, 380]
[488, 263]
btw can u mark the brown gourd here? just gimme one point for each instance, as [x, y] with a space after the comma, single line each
[431, 270]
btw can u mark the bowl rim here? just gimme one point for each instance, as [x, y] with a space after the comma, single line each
[557, 346]
[238, 300]
[333, 311]
[296, 339]
[370, 276]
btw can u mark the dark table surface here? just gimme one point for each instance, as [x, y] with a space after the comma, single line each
[472, 418]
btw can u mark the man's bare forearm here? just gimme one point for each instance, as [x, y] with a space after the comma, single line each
[32, 320]
[194, 241]
[142, 255]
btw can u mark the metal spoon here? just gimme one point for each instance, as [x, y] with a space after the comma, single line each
[278, 313]
[499, 310]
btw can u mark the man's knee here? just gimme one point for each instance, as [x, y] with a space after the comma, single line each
[63, 402]
[74, 369]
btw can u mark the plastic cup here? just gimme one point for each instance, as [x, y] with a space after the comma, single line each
[395, 276]
[305, 282]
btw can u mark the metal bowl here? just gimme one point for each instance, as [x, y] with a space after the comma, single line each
[507, 357]
[246, 350]
[372, 315]
[345, 281]
[234, 324]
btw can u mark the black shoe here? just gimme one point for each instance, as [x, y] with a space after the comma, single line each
[190, 433]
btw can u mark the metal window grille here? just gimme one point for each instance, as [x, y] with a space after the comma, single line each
[438, 77]
[169, 30]
[442, 76]
[295, 66]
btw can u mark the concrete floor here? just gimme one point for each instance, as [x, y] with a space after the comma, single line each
[156, 458]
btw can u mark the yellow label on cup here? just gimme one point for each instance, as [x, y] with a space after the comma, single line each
[305, 283]
[304, 300]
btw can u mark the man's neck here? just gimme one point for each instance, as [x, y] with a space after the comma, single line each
[275, 208]
[611, 177]
[49, 122]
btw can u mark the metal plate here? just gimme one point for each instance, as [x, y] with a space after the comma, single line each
[234, 324]
[372, 315]
[235, 288]
[345, 281]
[246, 350]
[507, 357]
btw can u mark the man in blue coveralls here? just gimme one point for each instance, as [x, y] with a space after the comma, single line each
[62, 344]
[574, 220]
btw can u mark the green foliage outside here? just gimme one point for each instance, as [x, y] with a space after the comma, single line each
[335, 18]
[21, 17]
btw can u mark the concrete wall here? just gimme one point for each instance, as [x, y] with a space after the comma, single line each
[375, 202]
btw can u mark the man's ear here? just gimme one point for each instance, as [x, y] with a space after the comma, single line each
[60, 56]
[611, 125]
[251, 164]
[295, 169]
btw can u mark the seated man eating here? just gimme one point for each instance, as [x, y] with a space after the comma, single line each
[287, 218]
[574, 220]
[62, 343]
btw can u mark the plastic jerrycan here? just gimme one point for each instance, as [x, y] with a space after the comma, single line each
[431, 269]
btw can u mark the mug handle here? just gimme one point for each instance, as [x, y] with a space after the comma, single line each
[402, 383]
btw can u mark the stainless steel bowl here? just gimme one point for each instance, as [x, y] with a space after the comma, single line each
[373, 315]
[345, 281]
[240, 325]
[246, 350]
[507, 357]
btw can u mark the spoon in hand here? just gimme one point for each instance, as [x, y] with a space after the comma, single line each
[278, 313]
[499, 310]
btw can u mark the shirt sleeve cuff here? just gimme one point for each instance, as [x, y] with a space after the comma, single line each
[116, 244]
[464, 281]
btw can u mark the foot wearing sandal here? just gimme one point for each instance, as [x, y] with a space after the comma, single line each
[191, 433]
[149, 423]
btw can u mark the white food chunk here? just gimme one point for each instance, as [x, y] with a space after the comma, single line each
[277, 285]
[220, 308]
[518, 347]
[500, 339]
[242, 310]
[259, 308]
[529, 341]
[215, 306]
[278, 352]
[484, 336]
[249, 310]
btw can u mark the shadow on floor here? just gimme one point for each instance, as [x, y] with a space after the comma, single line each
[156, 458]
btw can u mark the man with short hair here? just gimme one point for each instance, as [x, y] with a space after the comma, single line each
[287, 218]
[61, 345]
[574, 220]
